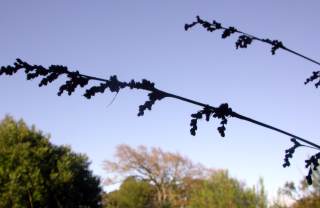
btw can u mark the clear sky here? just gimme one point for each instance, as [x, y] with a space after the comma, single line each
[146, 39]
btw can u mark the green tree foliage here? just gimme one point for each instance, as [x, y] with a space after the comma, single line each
[133, 193]
[159, 179]
[36, 173]
[167, 172]
[220, 190]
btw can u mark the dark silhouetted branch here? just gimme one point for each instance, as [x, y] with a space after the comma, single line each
[223, 112]
[245, 39]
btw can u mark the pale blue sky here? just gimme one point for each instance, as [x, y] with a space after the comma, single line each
[146, 39]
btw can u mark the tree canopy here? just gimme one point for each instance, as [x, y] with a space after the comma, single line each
[155, 178]
[36, 173]
[133, 193]
[221, 190]
[301, 195]
[164, 170]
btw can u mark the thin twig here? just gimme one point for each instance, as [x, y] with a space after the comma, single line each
[275, 43]
[163, 95]
[75, 79]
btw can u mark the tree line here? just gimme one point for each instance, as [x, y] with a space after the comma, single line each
[155, 178]
[36, 173]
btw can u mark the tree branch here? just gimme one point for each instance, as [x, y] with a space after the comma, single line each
[245, 39]
[75, 79]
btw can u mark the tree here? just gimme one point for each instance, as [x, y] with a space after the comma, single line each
[220, 190]
[171, 180]
[167, 172]
[303, 195]
[133, 193]
[36, 173]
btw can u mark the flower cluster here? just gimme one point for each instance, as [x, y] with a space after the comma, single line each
[289, 152]
[153, 97]
[222, 112]
[315, 76]
[312, 163]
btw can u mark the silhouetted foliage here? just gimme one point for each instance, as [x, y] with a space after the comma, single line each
[243, 41]
[222, 112]
[312, 163]
[76, 79]
[315, 76]
[36, 173]
[289, 152]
